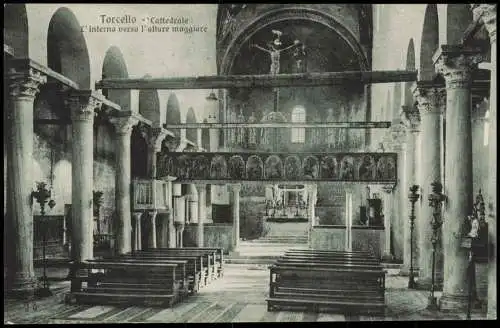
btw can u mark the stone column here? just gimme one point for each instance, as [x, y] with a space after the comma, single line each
[387, 206]
[311, 199]
[24, 84]
[192, 199]
[397, 137]
[235, 202]
[156, 137]
[488, 16]
[430, 101]
[456, 63]
[82, 105]
[179, 213]
[152, 229]
[168, 233]
[411, 120]
[202, 213]
[137, 231]
[123, 127]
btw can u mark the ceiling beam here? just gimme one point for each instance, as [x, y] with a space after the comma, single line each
[260, 81]
[343, 125]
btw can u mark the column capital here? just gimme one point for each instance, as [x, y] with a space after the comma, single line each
[430, 98]
[397, 134]
[456, 63]
[124, 124]
[236, 187]
[487, 13]
[25, 82]
[172, 142]
[388, 189]
[83, 104]
[410, 117]
[156, 136]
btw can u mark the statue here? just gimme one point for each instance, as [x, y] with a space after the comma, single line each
[299, 54]
[275, 52]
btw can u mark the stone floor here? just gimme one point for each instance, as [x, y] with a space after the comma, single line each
[238, 297]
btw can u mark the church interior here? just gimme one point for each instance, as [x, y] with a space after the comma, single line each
[249, 163]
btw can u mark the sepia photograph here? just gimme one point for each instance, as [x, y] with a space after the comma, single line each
[234, 163]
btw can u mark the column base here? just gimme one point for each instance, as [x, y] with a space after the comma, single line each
[425, 284]
[405, 271]
[453, 303]
[387, 258]
[21, 287]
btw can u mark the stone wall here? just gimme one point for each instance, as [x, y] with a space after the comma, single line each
[328, 238]
[215, 235]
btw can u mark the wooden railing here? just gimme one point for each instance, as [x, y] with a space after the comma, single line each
[150, 194]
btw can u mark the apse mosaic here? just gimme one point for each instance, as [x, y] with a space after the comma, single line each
[363, 167]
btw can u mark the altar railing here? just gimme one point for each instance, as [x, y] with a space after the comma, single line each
[150, 194]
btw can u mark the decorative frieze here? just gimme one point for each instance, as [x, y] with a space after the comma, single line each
[456, 64]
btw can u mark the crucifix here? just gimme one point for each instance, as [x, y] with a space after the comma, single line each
[274, 49]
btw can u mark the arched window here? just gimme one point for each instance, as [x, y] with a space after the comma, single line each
[298, 116]
[486, 128]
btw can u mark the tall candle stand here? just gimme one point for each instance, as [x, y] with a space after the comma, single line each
[42, 195]
[414, 196]
[436, 199]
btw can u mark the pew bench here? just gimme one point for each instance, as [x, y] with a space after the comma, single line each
[207, 256]
[148, 284]
[194, 267]
[219, 258]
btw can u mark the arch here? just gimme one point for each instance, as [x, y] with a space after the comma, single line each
[284, 14]
[149, 104]
[298, 135]
[15, 29]
[458, 16]
[397, 100]
[410, 66]
[114, 66]
[173, 115]
[429, 43]
[66, 48]
[191, 134]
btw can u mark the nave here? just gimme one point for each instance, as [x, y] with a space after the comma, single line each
[238, 297]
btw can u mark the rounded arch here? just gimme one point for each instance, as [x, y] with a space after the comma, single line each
[429, 43]
[191, 134]
[173, 115]
[15, 30]
[149, 104]
[284, 14]
[114, 66]
[67, 51]
[410, 66]
[458, 16]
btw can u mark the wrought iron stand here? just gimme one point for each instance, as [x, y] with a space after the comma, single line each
[414, 196]
[42, 195]
[436, 199]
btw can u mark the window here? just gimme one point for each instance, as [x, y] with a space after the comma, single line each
[298, 116]
[486, 128]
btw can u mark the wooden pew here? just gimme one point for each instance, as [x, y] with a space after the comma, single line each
[207, 255]
[181, 273]
[150, 284]
[327, 280]
[219, 259]
[194, 267]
